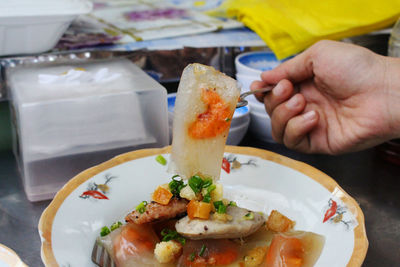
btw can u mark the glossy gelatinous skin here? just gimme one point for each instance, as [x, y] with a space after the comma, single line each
[158, 212]
[202, 253]
[294, 249]
[135, 245]
[285, 252]
[205, 102]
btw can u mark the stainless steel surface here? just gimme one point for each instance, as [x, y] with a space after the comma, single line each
[243, 102]
[101, 257]
[373, 182]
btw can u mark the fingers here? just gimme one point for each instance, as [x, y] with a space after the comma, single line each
[283, 113]
[296, 69]
[297, 129]
[281, 93]
[258, 85]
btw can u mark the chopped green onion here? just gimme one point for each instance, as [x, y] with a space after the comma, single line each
[192, 256]
[202, 250]
[220, 207]
[207, 198]
[104, 231]
[175, 186]
[227, 119]
[141, 208]
[169, 234]
[211, 188]
[160, 159]
[218, 203]
[249, 216]
[181, 240]
[196, 183]
[232, 203]
[207, 182]
[115, 225]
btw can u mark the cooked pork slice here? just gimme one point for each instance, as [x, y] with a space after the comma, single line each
[241, 223]
[157, 212]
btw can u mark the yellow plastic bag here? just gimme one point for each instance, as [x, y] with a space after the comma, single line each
[289, 26]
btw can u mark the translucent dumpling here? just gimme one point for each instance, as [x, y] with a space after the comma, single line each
[205, 103]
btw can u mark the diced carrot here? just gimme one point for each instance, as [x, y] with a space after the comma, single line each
[225, 258]
[197, 209]
[162, 196]
[285, 251]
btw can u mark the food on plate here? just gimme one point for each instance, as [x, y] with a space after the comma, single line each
[279, 223]
[206, 229]
[154, 211]
[239, 223]
[188, 222]
[294, 249]
[205, 103]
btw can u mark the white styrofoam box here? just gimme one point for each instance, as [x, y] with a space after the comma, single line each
[70, 117]
[36, 26]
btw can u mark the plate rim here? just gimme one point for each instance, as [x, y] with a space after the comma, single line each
[46, 219]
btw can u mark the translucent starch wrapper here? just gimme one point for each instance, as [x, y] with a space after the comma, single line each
[205, 103]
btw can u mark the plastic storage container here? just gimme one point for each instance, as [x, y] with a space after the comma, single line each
[28, 26]
[70, 117]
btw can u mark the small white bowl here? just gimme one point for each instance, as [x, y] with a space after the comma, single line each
[260, 126]
[253, 63]
[236, 134]
[239, 125]
[255, 105]
[241, 116]
[246, 80]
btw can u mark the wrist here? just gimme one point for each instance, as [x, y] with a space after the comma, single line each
[392, 91]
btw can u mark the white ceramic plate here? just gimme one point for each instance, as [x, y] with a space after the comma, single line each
[265, 181]
[8, 258]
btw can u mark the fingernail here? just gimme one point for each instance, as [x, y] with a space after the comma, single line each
[309, 115]
[293, 102]
[278, 90]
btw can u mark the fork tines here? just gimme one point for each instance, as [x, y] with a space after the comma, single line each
[101, 257]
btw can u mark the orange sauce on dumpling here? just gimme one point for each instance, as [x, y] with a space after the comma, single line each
[215, 120]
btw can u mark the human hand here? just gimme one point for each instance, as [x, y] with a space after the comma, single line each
[333, 98]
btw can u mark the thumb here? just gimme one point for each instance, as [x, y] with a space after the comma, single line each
[295, 70]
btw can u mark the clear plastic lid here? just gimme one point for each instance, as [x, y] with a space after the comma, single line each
[51, 83]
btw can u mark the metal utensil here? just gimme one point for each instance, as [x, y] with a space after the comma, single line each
[243, 102]
[101, 257]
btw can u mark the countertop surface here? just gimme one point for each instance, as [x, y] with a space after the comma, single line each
[373, 182]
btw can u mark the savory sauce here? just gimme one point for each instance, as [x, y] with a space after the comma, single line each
[215, 120]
